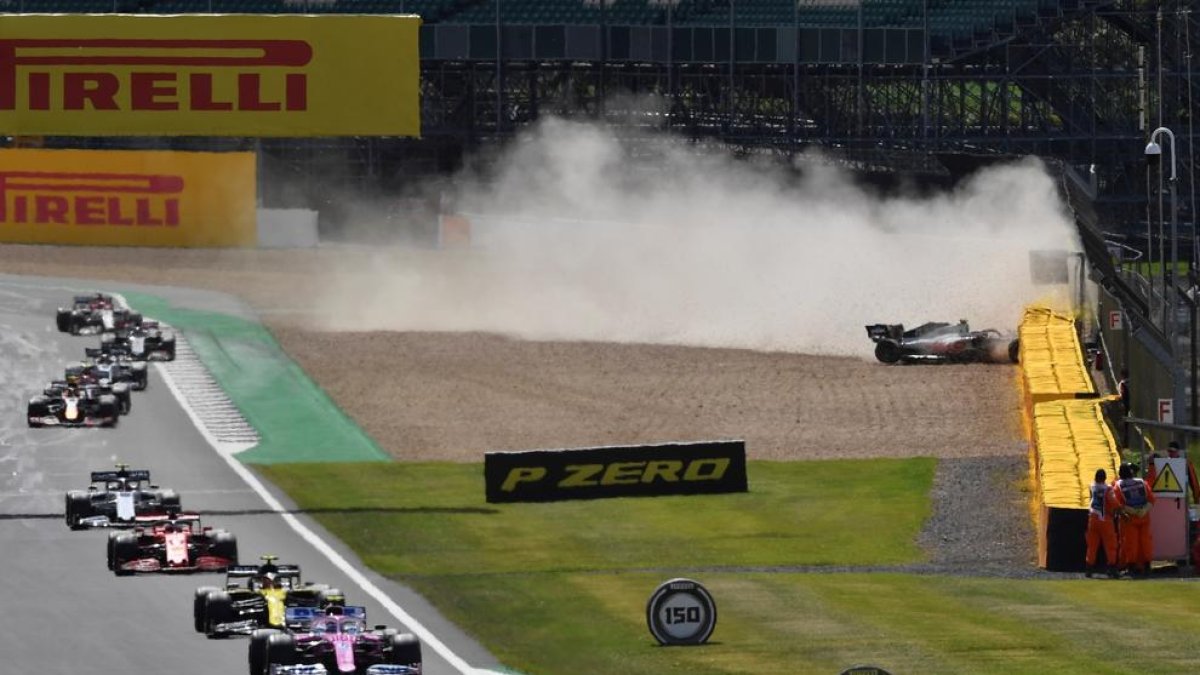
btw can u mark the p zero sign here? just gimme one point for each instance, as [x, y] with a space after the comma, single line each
[127, 198]
[621, 471]
[209, 75]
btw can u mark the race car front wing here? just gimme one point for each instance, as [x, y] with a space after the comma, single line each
[318, 669]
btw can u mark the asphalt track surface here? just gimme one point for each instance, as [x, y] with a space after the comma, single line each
[61, 610]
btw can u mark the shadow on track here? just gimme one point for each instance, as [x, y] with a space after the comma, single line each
[268, 512]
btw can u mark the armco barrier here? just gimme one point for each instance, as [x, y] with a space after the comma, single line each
[1067, 434]
[1071, 441]
[1052, 365]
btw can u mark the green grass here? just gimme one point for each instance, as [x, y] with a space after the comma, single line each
[561, 588]
[243, 357]
[430, 520]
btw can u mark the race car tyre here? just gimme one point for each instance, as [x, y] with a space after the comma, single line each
[78, 506]
[169, 499]
[281, 651]
[141, 378]
[224, 545]
[887, 352]
[63, 320]
[327, 597]
[109, 549]
[124, 400]
[198, 602]
[218, 609]
[38, 407]
[406, 650]
[258, 650]
[1014, 351]
[109, 408]
[124, 549]
[167, 344]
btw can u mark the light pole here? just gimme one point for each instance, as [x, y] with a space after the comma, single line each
[1154, 152]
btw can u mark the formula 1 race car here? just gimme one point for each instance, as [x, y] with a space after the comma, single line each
[174, 543]
[144, 342]
[95, 313]
[89, 387]
[334, 641]
[107, 368]
[117, 499]
[73, 406]
[944, 342]
[260, 602]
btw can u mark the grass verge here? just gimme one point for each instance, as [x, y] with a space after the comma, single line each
[295, 418]
[561, 588]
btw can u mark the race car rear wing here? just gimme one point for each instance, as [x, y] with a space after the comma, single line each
[155, 518]
[303, 616]
[245, 571]
[882, 331]
[131, 474]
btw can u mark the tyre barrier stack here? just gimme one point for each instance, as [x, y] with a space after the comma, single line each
[1069, 438]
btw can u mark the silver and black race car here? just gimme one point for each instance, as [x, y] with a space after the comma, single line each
[111, 368]
[942, 342]
[260, 601]
[145, 342]
[117, 499]
[73, 406]
[95, 313]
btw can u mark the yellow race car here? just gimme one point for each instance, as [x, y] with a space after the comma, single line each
[257, 596]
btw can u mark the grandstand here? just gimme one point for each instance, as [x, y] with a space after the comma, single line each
[882, 83]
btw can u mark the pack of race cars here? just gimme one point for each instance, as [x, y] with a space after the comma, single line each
[96, 391]
[295, 627]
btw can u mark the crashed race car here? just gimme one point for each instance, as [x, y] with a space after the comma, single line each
[942, 342]
[97, 313]
[172, 543]
[260, 601]
[107, 368]
[144, 342]
[70, 405]
[117, 499]
[336, 640]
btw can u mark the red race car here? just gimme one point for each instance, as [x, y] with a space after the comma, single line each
[172, 543]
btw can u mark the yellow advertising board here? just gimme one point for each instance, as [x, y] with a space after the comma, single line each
[127, 198]
[209, 75]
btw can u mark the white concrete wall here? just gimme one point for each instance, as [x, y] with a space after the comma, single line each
[287, 228]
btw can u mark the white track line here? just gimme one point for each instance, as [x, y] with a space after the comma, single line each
[227, 450]
[311, 537]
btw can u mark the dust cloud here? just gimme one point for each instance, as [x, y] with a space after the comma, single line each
[573, 237]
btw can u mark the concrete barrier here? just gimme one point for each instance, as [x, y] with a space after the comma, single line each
[287, 228]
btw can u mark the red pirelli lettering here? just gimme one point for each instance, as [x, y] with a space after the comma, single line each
[73, 72]
[92, 199]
